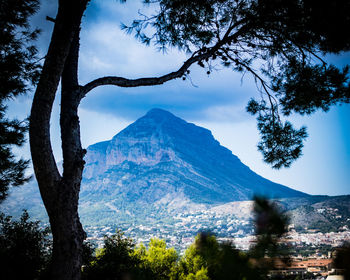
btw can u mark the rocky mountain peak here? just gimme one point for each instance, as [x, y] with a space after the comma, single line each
[158, 123]
[160, 114]
[148, 141]
[161, 153]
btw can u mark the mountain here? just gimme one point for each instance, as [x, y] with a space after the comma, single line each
[160, 154]
[157, 165]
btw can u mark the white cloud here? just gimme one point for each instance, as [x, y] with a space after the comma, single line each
[105, 44]
[97, 127]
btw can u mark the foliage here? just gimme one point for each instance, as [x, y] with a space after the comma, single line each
[157, 260]
[205, 259]
[209, 259]
[342, 259]
[280, 43]
[12, 132]
[17, 52]
[19, 70]
[280, 143]
[114, 261]
[88, 253]
[270, 225]
[269, 219]
[25, 248]
[119, 259]
[24, 244]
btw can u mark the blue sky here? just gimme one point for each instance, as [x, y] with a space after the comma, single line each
[216, 102]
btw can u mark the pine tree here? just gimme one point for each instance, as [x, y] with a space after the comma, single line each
[19, 71]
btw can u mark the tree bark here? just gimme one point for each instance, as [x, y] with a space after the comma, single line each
[59, 193]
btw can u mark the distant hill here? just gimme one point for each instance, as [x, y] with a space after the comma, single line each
[322, 213]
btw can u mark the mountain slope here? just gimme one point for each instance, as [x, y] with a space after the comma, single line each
[159, 164]
[161, 153]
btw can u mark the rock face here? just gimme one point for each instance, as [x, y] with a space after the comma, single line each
[161, 157]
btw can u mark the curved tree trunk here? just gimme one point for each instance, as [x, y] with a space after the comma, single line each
[60, 194]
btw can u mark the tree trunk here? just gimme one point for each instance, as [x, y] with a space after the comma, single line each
[59, 193]
[68, 235]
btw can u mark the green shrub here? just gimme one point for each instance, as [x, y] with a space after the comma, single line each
[25, 248]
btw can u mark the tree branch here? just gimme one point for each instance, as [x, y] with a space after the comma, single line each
[197, 56]
[151, 81]
[272, 99]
